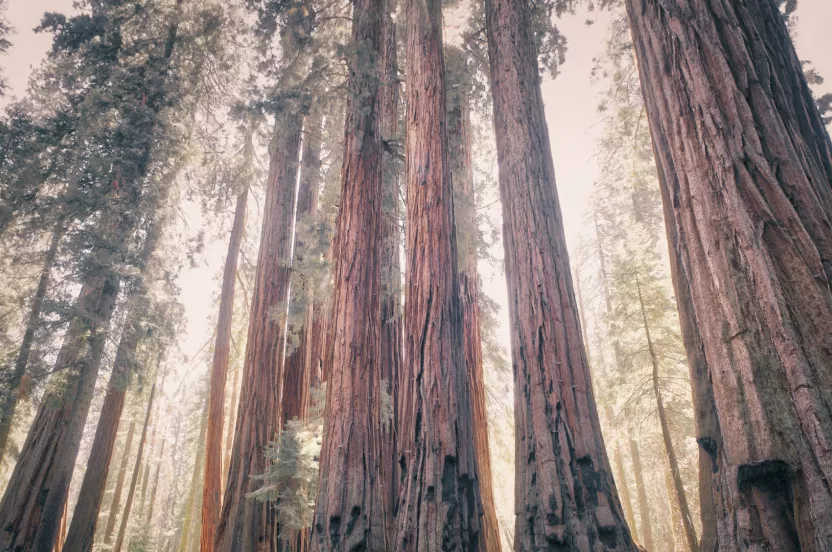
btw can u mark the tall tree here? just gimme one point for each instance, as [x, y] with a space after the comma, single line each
[439, 502]
[745, 163]
[460, 137]
[349, 512]
[115, 502]
[391, 288]
[212, 476]
[245, 524]
[565, 489]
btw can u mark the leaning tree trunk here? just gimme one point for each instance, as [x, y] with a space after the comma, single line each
[564, 488]
[85, 517]
[193, 488]
[212, 477]
[439, 501]
[349, 514]
[391, 289]
[22, 360]
[122, 530]
[460, 146]
[641, 491]
[745, 164]
[678, 486]
[33, 503]
[115, 502]
[246, 524]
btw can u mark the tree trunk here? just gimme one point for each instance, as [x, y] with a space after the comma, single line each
[85, 517]
[625, 492]
[391, 289]
[134, 479]
[244, 523]
[565, 489]
[460, 146]
[678, 486]
[34, 500]
[641, 492]
[115, 503]
[152, 502]
[439, 502]
[193, 489]
[211, 492]
[297, 382]
[745, 164]
[349, 514]
[22, 360]
[229, 431]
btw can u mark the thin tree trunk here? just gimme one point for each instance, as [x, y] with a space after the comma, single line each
[461, 152]
[641, 492]
[211, 491]
[134, 480]
[625, 492]
[115, 503]
[391, 294]
[246, 524]
[229, 437]
[22, 360]
[678, 486]
[199, 462]
[152, 503]
[349, 514]
[745, 164]
[439, 502]
[297, 381]
[565, 489]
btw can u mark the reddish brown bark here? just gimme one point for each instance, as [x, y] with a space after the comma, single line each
[297, 382]
[115, 502]
[246, 524]
[229, 432]
[391, 298]
[349, 514]
[122, 531]
[565, 490]
[34, 500]
[439, 502]
[22, 360]
[212, 477]
[460, 145]
[745, 166]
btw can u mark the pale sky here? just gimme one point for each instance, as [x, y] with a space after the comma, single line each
[570, 110]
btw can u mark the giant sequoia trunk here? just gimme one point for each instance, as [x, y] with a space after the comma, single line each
[297, 374]
[85, 517]
[22, 360]
[212, 476]
[349, 514]
[565, 489]
[244, 523]
[33, 503]
[745, 166]
[439, 502]
[460, 145]
[391, 298]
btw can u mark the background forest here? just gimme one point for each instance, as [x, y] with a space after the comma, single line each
[137, 175]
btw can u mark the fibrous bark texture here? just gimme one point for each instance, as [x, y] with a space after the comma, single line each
[244, 523]
[349, 514]
[33, 503]
[439, 501]
[460, 145]
[565, 493]
[391, 289]
[745, 167]
[297, 379]
[212, 477]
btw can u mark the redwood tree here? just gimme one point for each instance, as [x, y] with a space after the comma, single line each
[349, 513]
[439, 502]
[461, 157]
[745, 166]
[212, 476]
[244, 523]
[564, 487]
